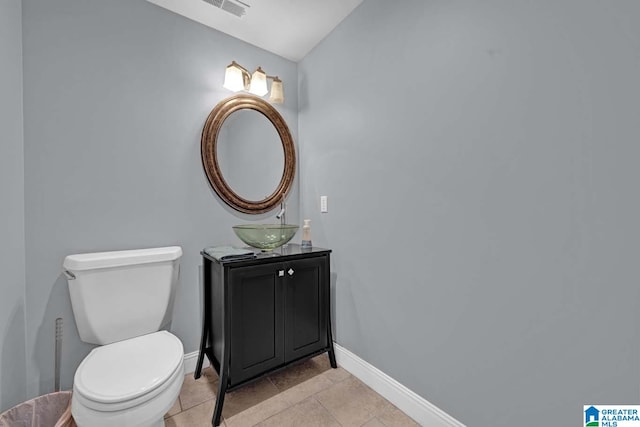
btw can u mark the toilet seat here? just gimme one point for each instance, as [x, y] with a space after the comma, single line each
[128, 373]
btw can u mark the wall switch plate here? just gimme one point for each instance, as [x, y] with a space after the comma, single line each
[323, 204]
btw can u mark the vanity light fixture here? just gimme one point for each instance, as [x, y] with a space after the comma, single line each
[237, 78]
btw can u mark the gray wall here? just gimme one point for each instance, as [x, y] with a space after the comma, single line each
[116, 94]
[481, 163]
[483, 209]
[12, 281]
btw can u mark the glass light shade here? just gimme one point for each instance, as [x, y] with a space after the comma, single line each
[277, 92]
[259, 83]
[233, 79]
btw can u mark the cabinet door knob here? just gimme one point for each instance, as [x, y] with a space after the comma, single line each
[291, 272]
[281, 273]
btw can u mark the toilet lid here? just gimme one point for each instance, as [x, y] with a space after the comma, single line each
[128, 369]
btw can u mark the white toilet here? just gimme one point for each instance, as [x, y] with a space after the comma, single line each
[120, 301]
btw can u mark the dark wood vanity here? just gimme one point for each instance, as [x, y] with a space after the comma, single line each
[262, 314]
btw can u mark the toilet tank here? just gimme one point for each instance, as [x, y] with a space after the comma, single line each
[122, 294]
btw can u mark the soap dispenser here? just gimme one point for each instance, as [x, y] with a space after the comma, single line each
[306, 234]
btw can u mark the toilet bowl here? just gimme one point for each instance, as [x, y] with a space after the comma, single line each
[130, 383]
[121, 301]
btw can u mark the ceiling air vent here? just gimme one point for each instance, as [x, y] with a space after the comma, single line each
[235, 8]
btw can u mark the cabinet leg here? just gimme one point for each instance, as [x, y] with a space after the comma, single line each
[198, 371]
[222, 390]
[203, 350]
[332, 357]
[332, 353]
[206, 313]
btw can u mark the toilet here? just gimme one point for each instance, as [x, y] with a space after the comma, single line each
[121, 301]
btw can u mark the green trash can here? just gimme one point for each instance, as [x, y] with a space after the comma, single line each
[49, 410]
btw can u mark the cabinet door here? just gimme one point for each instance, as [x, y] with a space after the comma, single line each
[257, 343]
[306, 307]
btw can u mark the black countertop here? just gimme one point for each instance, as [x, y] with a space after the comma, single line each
[291, 251]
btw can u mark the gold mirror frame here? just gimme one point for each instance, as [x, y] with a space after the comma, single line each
[210, 160]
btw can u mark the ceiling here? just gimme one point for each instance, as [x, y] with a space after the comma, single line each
[289, 28]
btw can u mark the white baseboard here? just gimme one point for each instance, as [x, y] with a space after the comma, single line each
[190, 360]
[421, 410]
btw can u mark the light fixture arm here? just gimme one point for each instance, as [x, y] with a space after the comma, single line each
[235, 64]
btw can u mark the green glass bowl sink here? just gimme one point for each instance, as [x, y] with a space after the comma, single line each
[265, 236]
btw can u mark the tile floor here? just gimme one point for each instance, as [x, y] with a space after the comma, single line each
[306, 394]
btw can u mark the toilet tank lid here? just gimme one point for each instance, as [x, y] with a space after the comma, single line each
[96, 260]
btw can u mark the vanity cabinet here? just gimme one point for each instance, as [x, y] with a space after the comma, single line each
[262, 314]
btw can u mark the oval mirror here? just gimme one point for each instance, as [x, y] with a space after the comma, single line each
[248, 154]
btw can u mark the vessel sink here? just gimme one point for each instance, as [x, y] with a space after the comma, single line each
[265, 236]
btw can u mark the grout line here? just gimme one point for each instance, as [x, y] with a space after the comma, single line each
[382, 422]
[325, 408]
[274, 384]
[179, 404]
[261, 421]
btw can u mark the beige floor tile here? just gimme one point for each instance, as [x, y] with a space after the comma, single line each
[373, 423]
[337, 375]
[300, 372]
[308, 413]
[322, 361]
[394, 417]
[352, 403]
[207, 373]
[248, 396]
[175, 409]
[314, 395]
[258, 413]
[308, 388]
[198, 416]
[195, 392]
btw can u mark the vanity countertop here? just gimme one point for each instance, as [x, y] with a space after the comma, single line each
[291, 251]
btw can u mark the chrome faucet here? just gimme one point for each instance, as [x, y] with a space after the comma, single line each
[281, 216]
